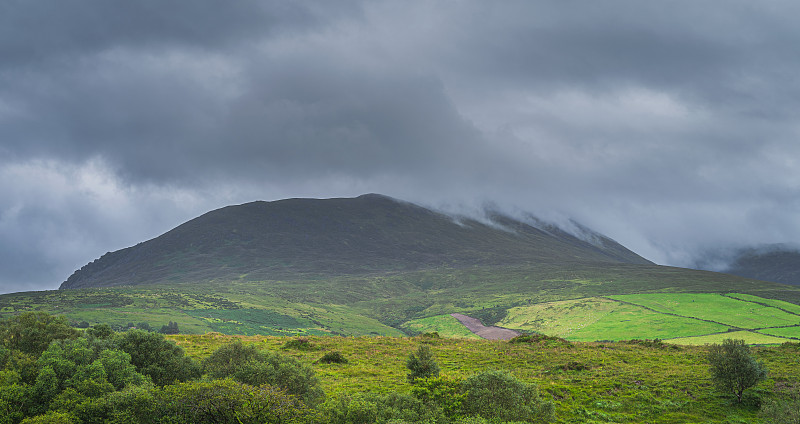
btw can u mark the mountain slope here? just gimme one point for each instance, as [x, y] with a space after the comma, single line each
[307, 238]
[777, 263]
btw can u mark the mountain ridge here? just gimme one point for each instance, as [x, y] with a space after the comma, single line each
[372, 233]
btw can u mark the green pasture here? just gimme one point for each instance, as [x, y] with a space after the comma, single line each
[588, 382]
[714, 307]
[594, 319]
[789, 307]
[788, 332]
[445, 325]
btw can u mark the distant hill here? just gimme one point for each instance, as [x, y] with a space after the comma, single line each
[368, 235]
[776, 263]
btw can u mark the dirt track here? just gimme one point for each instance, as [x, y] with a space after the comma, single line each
[489, 333]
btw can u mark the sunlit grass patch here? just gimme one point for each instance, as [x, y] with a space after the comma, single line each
[790, 307]
[593, 319]
[445, 325]
[713, 307]
[749, 337]
[790, 332]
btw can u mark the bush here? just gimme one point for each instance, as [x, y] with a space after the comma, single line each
[299, 344]
[100, 331]
[171, 328]
[655, 343]
[421, 365]
[227, 401]
[248, 365]
[446, 394]
[370, 408]
[733, 369]
[496, 395]
[574, 366]
[51, 417]
[157, 357]
[333, 358]
[550, 341]
[32, 332]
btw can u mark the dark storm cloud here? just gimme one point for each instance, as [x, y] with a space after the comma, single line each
[669, 126]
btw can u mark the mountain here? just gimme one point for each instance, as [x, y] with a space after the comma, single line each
[317, 238]
[776, 263]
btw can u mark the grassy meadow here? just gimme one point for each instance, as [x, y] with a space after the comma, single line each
[589, 382]
[609, 302]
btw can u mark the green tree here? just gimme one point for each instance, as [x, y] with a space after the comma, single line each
[52, 417]
[101, 331]
[733, 368]
[497, 395]
[421, 364]
[248, 365]
[157, 357]
[171, 328]
[32, 332]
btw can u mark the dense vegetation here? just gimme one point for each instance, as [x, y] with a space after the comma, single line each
[51, 373]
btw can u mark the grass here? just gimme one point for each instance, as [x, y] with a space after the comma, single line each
[714, 307]
[618, 382]
[787, 332]
[602, 319]
[445, 325]
[598, 302]
[749, 337]
[789, 307]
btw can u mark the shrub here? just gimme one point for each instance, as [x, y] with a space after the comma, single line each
[32, 332]
[227, 401]
[371, 408]
[733, 369]
[333, 358]
[157, 357]
[444, 393]
[299, 344]
[574, 366]
[51, 417]
[655, 343]
[100, 331]
[248, 365]
[171, 328]
[496, 395]
[421, 364]
[542, 339]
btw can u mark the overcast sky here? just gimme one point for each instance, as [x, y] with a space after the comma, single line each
[671, 127]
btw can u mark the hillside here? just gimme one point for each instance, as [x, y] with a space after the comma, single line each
[780, 264]
[370, 234]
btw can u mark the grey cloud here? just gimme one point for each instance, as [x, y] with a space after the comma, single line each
[668, 126]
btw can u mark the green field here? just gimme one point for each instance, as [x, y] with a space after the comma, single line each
[603, 319]
[789, 332]
[619, 382]
[445, 325]
[609, 302]
[714, 307]
[691, 318]
[789, 307]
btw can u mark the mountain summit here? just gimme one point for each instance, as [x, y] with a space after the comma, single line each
[369, 234]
